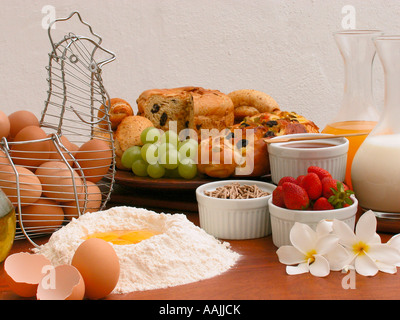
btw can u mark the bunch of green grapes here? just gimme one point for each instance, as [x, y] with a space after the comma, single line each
[162, 155]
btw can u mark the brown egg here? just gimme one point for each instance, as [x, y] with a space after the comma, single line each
[4, 125]
[21, 119]
[43, 215]
[98, 264]
[3, 158]
[74, 148]
[55, 155]
[64, 283]
[23, 272]
[30, 154]
[58, 182]
[29, 185]
[93, 203]
[95, 158]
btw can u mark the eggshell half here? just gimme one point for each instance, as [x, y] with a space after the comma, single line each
[98, 264]
[63, 282]
[23, 272]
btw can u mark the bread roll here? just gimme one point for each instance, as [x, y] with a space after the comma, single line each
[119, 110]
[248, 102]
[128, 133]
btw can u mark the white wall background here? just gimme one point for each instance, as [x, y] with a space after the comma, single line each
[282, 47]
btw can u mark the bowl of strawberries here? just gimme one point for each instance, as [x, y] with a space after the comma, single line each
[308, 199]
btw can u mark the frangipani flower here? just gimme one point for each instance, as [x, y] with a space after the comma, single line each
[394, 242]
[367, 253]
[309, 250]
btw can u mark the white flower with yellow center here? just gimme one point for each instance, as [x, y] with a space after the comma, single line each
[310, 250]
[367, 253]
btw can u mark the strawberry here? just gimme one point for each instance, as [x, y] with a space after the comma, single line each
[295, 197]
[336, 193]
[328, 184]
[322, 204]
[299, 179]
[313, 186]
[320, 172]
[277, 197]
[287, 179]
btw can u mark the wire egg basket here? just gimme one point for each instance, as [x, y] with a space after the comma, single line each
[70, 171]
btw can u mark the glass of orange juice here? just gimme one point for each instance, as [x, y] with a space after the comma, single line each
[351, 127]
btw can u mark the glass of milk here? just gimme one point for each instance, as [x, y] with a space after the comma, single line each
[376, 165]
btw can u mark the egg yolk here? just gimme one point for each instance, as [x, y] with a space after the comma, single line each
[123, 237]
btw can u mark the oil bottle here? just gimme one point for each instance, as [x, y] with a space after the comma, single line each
[7, 225]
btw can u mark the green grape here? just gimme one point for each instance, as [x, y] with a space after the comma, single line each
[165, 147]
[149, 153]
[173, 173]
[139, 168]
[150, 135]
[170, 137]
[169, 159]
[188, 150]
[155, 170]
[131, 155]
[187, 170]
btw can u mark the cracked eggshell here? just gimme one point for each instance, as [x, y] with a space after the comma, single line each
[64, 282]
[23, 272]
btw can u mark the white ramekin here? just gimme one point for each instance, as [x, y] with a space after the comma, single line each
[234, 219]
[282, 220]
[288, 161]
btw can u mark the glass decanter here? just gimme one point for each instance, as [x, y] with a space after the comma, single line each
[358, 113]
[7, 225]
[376, 166]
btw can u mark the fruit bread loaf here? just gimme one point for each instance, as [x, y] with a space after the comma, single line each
[191, 107]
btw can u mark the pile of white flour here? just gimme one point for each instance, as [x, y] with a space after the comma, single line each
[182, 253]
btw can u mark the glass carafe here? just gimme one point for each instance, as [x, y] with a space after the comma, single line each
[376, 166]
[358, 113]
[7, 225]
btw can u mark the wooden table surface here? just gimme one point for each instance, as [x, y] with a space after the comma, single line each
[258, 275]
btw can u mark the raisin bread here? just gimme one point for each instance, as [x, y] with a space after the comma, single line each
[191, 107]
